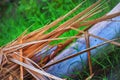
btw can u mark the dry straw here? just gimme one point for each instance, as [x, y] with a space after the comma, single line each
[22, 51]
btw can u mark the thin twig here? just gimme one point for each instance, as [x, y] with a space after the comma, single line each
[21, 59]
[89, 78]
[89, 53]
[80, 31]
[74, 55]
[19, 46]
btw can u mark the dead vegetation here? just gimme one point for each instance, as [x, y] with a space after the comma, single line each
[22, 57]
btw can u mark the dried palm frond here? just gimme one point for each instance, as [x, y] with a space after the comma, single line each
[32, 51]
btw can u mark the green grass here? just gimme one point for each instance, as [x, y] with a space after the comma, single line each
[37, 13]
[104, 65]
